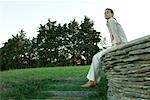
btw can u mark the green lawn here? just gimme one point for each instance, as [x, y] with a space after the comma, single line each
[29, 83]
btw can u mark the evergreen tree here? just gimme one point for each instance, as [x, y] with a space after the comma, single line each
[62, 53]
[12, 53]
[89, 39]
[47, 43]
[54, 45]
[72, 39]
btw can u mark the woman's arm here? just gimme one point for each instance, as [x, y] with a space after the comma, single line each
[114, 31]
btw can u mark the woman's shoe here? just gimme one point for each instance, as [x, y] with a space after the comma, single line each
[89, 84]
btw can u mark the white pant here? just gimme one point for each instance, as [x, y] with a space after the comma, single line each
[96, 66]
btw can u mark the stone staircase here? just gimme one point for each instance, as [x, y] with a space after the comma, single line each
[69, 89]
[71, 95]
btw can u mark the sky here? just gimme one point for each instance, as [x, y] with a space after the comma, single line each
[133, 15]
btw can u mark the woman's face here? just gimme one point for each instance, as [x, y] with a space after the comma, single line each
[108, 14]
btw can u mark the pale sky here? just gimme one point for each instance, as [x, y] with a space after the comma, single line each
[133, 15]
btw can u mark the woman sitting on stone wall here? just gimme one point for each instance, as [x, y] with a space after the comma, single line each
[117, 36]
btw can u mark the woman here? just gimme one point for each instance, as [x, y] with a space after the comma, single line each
[117, 36]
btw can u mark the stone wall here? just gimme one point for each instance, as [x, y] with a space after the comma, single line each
[128, 70]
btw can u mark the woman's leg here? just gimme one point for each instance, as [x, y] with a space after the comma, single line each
[96, 66]
[94, 72]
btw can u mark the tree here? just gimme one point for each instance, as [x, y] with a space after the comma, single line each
[12, 53]
[55, 45]
[89, 39]
[47, 43]
[72, 39]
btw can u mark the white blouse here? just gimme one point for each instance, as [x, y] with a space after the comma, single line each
[117, 34]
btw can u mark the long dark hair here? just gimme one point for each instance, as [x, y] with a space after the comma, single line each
[111, 12]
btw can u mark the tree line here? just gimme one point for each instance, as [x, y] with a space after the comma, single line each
[55, 45]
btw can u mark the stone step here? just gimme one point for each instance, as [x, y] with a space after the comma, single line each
[68, 87]
[66, 98]
[66, 80]
[71, 93]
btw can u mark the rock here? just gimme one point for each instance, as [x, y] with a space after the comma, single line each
[128, 70]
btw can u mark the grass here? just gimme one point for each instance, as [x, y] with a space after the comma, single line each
[28, 83]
